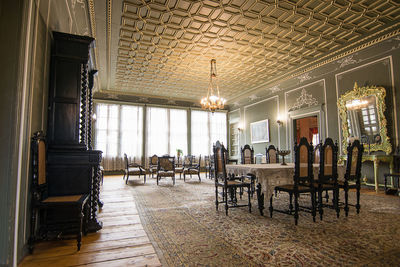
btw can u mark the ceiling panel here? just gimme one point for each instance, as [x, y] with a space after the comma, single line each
[163, 48]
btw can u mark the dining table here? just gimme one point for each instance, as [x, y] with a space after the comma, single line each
[268, 176]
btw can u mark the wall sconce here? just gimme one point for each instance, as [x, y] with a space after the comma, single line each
[240, 127]
[279, 121]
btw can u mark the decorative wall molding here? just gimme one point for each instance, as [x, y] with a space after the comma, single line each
[304, 100]
[304, 77]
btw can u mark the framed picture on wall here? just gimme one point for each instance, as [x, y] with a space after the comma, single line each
[259, 131]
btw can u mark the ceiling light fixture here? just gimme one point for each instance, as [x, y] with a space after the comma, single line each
[213, 102]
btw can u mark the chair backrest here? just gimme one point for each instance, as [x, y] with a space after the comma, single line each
[271, 154]
[196, 161]
[303, 163]
[154, 160]
[327, 161]
[354, 157]
[166, 163]
[247, 154]
[219, 162]
[39, 182]
[206, 160]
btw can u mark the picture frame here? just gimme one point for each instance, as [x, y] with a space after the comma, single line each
[259, 131]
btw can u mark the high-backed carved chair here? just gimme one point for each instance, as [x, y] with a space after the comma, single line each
[317, 153]
[229, 184]
[153, 164]
[353, 174]
[247, 155]
[50, 213]
[328, 174]
[192, 168]
[166, 168]
[303, 180]
[271, 154]
[133, 169]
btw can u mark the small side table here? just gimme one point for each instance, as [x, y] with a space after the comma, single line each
[393, 175]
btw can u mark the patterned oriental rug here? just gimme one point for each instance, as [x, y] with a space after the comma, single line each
[186, 230]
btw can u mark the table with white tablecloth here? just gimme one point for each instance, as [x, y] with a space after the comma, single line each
[271, 175]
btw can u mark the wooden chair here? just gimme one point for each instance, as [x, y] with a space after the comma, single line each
[328, 175]
[166, 168]
[133, 169]
[179, 167]
[317, 152]
[153, 164]
[247, 155]
[192, 168]
[61, 214]
[227, 183]
[303, 181]
[271, 154]
[353, 174]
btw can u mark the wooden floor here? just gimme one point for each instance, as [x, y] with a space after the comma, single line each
[121, 242]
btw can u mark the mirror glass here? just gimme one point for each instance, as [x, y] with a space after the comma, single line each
[362, 119]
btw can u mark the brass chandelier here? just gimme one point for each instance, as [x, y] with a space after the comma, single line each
[213, 102]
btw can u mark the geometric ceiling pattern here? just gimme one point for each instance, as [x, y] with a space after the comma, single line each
[164, 47]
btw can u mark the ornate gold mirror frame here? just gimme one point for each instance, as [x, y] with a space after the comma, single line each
[356, 94]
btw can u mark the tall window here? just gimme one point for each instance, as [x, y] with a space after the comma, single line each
[207, 128]
[119, 130]
[166, 131]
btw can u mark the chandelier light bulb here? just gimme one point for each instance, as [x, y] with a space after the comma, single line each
[213, 101]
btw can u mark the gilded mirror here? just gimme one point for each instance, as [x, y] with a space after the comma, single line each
[362, 115]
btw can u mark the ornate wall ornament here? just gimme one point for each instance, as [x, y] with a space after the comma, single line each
[274, 89]
[144, 100]
[346, 61]
[253, 97]
[171, 102]
[304, 77]
[358, 93]
[304, 100]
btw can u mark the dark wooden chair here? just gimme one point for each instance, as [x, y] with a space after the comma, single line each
[303, 181]
[57, 214]
[166, 168]
[317, 152]
[192, 168]
[229, 184]
[353, 174]
[133, 169]
[328, 175]
[247, 155]
[271, 154]
[153, 165]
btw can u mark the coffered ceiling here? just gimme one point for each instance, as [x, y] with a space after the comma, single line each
[163, 48]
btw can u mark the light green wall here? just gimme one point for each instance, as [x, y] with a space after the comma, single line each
[375, 65]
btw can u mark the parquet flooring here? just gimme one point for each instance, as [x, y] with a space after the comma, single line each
[121, 242]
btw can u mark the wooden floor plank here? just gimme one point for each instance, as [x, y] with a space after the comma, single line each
[140, 261]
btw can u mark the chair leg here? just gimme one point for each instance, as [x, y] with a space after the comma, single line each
[226, 201]
[346, 201]
[199, 176]
[290, 203]
[33, 226]
[127, 178]
[157, 178]
[249, 196]
[123, 178]
[313, 206]
[296, 207]
[336, 194]
[79, 237]
[184, 177]
[326, 196]
[216, 198]
[173, 179]
[358, 199]
[144, 178]
[321, 211]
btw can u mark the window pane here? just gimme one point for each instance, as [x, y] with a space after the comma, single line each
[178, 131]
[131, 131]
[218, 128]
[200, 133]
[157, 131]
